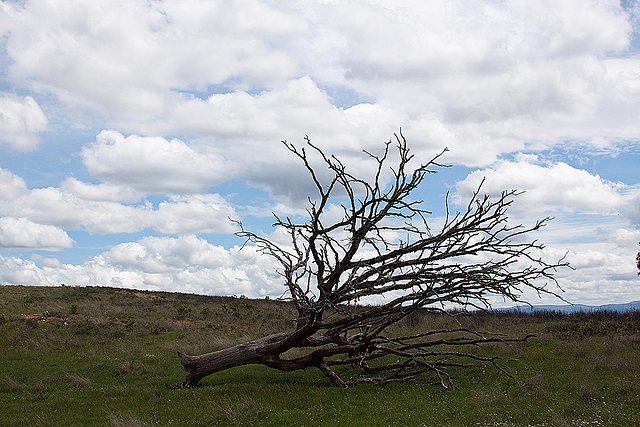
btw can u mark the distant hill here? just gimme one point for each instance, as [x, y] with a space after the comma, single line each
[575, 308]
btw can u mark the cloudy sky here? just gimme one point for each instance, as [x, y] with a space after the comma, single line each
[131, 130]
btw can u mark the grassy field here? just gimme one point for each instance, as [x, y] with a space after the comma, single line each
[103, 356]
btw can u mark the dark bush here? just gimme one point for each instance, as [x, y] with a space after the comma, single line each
[183, 310]
[84, 327]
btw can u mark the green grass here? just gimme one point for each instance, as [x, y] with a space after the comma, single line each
[101, 356]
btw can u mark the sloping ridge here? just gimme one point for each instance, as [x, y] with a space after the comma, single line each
[574, 308]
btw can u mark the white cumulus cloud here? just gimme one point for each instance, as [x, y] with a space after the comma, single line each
[56, 207]
[11, 185]
[195, 214]
[92, 208]
[552, 187]
[126, 57]
[100, 192]
[151, 164]
[20, 233]
[631, 210]
[21, 120]
[604, 273]
[487, 77]
[183, 264]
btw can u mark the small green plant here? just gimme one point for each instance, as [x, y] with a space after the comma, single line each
[183, 310]
[73, 309]
[128, 320]
[28, 299]
[84, 327]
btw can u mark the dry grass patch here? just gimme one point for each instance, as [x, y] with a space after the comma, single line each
[9, 385]
[127, 421]
[77, 379]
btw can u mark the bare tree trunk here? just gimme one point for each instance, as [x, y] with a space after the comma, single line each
[260, 351]
[263, 351]
[198, 367]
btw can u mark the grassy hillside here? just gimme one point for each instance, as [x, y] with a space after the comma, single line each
[103, 356]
